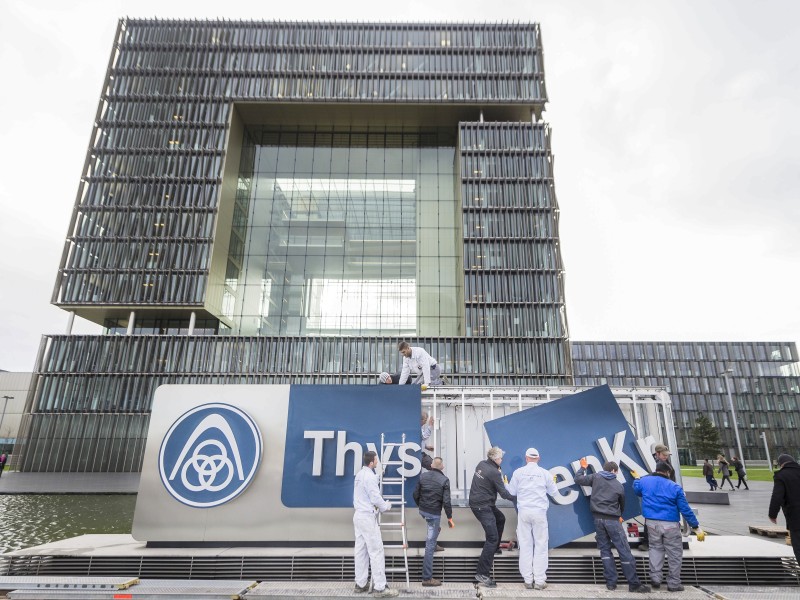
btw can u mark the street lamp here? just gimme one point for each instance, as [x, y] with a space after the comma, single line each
[726, 374]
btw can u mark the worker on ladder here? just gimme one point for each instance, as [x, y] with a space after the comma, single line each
[368, 502]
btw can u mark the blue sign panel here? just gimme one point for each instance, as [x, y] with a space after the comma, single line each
[330, 427]
[209, 455]
[587, 424]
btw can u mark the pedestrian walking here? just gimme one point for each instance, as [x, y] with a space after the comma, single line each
[723, 467]
[663, 503]
[368, 502]
[786, 496]
[607, 504]
[531, 484]
[708, 473]
[487, 484]
[432, 495]
[3, 461]
[741, 474]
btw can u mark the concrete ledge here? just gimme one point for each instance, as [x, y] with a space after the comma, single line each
[69, 483]
[313, 590]
[718, 497]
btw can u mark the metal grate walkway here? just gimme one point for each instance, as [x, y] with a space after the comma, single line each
[731, 571]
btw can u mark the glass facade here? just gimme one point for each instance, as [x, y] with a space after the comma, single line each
[765, 385]
[347, 232]
[281, 202]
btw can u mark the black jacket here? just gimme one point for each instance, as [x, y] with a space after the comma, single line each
[608, 495]
[738, 467]
[487, 483]
[668, 463]
[433, 493]
[786, 495]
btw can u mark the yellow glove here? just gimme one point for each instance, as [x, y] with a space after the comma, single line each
[584, 464]
[634, 474]
[505, 479]
[450, 523]
[701, 535]
[621, 520]
[424, 387]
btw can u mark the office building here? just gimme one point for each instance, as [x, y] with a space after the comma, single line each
[272, 202]
[765, 387]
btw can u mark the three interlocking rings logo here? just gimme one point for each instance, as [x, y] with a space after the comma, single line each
[210, 455]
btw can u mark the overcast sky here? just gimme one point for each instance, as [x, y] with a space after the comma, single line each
[676, 131]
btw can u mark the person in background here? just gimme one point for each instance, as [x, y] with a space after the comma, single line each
[741, 474]
[423, 365]
[723, 467]
[368, 502]
[531, 484]
[607, 504]
[426, 426]
[663, 503]
[3, 461]
[390, 378]
[708, 473]
[661, 454]
[786, 496]
[487, 483]
[432, 494]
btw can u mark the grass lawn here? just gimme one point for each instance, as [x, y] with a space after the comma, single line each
[753, 474]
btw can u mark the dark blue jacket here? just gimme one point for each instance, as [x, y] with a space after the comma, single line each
[663, 499]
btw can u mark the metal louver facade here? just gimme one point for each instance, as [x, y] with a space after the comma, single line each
[243, 176]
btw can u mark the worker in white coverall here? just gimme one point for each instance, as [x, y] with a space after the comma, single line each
[531, 484]
[368, 502]
[427, 371]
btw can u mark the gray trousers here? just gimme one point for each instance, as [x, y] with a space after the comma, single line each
[665, 539]
[436, 376]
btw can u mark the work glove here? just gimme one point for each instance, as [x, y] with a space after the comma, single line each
[621, 520]
[634, 474]
[505, 479]
[584, 464]
[424, 387]
[451, 523]
[701, 535]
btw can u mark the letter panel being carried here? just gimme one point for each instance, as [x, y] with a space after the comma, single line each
[274, 464]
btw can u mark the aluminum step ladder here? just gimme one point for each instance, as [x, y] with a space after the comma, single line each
[393, 489]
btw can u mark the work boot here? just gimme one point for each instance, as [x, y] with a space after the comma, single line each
[539, 586]
[675, 588]
[386, 592]
[439, 548]
[431, 582]
[486, 581]
[611, 586]
[529, 586]
[639, 589]
[361, 589]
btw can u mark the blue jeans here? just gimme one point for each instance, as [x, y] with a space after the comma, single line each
[610, 533]
[430, 542]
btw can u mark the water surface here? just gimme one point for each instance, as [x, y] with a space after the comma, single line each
[29, 520]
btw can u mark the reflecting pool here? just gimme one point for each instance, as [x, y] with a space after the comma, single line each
[29, 520]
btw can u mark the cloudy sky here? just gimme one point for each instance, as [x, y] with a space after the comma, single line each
[676, 133]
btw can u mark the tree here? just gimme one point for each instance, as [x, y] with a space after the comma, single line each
[704, 438]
